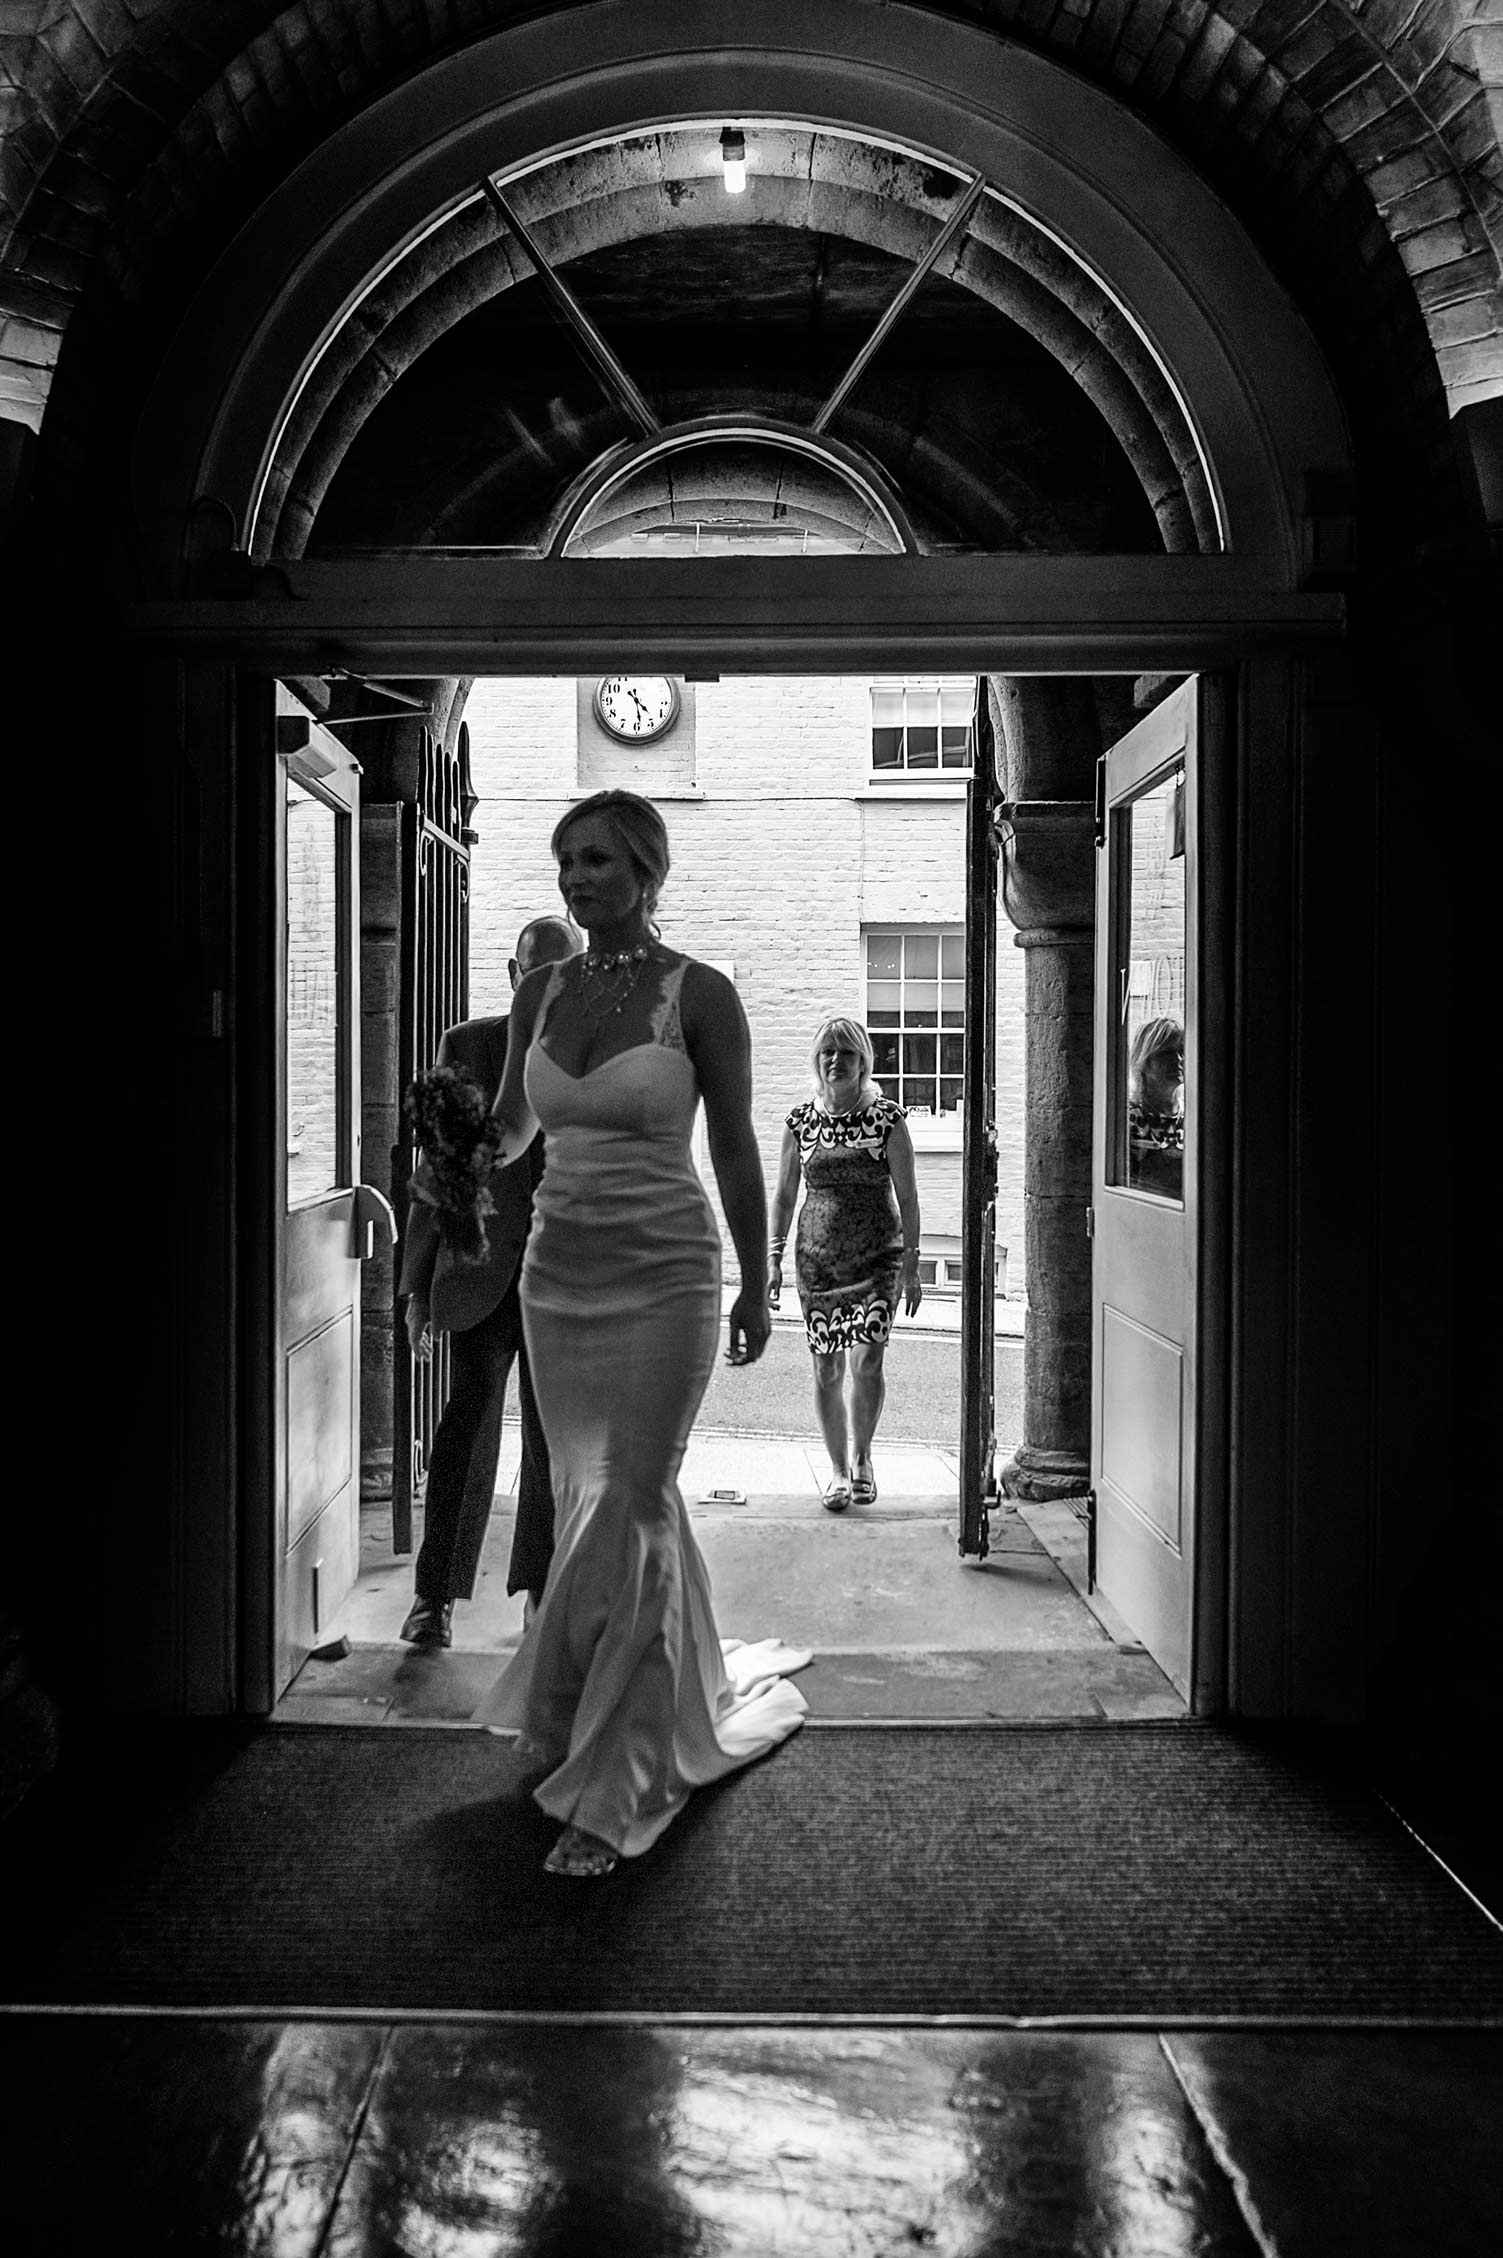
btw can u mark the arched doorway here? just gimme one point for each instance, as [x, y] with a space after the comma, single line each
[266, 428]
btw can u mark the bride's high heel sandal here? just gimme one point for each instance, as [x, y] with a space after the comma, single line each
[582, 1857]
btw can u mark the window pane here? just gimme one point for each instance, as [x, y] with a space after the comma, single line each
[952, 1054]
[921, 1002]
[884, 1054]
[952, 956]
[926, 1269]
[923, 706]
[313, 1039]
[884, 956]
[887, 709]
[955, 748]
[921, 956]
[919, 1054]
[923, 748]
[882, 1000]
[1148, 1065]
[950, 1095]
[887, 748]
[957, 706]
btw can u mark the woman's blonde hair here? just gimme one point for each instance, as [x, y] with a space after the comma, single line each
[642, 833]
[852, 1036]
[1156, 1038]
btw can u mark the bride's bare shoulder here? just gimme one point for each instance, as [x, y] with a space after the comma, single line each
[714, 1021]
[706, 987]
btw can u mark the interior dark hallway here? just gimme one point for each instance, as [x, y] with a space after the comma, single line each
[377, 347]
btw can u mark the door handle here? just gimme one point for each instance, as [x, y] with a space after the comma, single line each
[375, 1222]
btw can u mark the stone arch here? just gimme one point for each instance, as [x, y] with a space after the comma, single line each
[1253, 385]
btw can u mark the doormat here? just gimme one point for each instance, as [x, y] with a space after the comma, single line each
[1115, 1871]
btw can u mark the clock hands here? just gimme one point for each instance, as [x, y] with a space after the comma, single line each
[629, 712]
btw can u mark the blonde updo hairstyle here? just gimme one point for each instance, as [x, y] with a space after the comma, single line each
[641, 832]
[851, 1036]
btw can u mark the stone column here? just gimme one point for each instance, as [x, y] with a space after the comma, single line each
[1048, 738]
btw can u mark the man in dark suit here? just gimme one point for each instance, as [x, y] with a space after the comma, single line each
[478, 1306]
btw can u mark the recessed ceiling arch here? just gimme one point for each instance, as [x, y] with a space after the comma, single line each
[1098, 182]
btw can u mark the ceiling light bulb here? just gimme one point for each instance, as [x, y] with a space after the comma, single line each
[733, 160]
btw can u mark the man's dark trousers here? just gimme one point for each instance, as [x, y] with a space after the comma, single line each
[462, 1464]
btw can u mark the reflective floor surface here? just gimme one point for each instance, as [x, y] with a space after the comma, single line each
[319, 2139]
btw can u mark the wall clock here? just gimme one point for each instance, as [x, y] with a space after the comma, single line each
[636, 707]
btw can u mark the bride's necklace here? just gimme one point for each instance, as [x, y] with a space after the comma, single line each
[607, 977]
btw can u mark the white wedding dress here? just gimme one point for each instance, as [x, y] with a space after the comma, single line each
[622, 1684]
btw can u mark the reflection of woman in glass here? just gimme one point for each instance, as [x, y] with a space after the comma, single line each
[1155, 1108]
[858, 1244]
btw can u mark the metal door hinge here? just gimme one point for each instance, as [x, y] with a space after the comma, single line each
[1090, 1223]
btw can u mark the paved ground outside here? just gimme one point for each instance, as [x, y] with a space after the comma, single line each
[922, 1367]
[901, 1626]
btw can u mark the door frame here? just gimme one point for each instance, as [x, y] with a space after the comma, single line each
[1209, 752]
[260, 1176]
[1263, 660]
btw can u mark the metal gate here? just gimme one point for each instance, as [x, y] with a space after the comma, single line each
[433, 993]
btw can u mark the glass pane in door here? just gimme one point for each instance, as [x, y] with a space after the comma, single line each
[314, 1141]
[1148, 1064]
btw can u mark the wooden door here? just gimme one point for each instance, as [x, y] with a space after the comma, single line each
[1144, 1182]
[325, 1229]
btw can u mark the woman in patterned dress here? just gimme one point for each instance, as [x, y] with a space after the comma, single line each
[857, 1249]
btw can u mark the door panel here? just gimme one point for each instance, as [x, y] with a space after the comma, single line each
[323, 1232]
[319, 1241]
[1144, 1191]
[319, 1462]
[1142, 1392]
[978, 1286]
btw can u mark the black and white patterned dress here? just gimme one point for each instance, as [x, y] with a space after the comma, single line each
[849, 1250]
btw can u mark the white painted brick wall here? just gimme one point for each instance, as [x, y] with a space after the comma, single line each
[777, 865]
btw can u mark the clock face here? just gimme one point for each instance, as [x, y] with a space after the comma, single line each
[637, 707]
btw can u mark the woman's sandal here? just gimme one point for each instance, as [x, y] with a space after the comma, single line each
[863, 1489]
[582, 1857]
[836, 1494]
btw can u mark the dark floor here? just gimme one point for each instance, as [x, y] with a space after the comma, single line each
[481, 2136]
[455, 2140]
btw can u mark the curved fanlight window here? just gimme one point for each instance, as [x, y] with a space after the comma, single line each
[731, 490]
[740, 336]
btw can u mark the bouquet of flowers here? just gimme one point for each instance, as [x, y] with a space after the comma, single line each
[452, 1117]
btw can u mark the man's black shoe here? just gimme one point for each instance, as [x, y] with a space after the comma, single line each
[427, 1623]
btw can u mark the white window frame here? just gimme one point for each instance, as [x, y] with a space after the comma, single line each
[940, 1266]
[897, 698]
[934, 1131]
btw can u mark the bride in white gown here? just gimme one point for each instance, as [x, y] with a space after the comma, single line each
[622, 1687]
